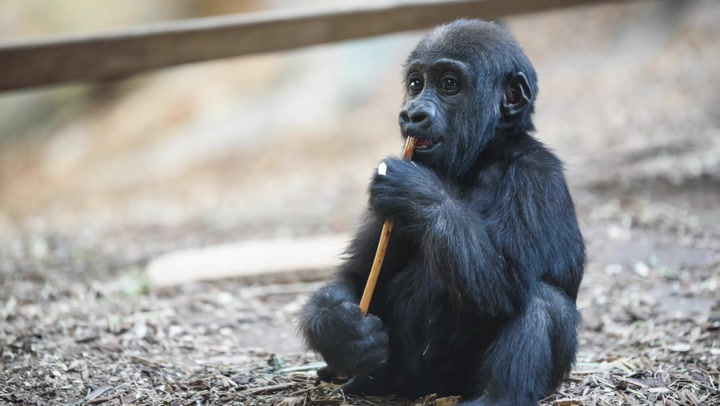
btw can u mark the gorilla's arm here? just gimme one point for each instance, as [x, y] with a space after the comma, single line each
[487, 248]
[459, 251]
[453, 238]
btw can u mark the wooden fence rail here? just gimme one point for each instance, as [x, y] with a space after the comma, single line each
[117, 54]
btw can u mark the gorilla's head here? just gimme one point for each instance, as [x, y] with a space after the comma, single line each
[465, 83]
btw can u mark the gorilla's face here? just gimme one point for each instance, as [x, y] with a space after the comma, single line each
[463, 83]
[441, 112]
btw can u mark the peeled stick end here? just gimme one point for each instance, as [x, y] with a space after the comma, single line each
[382, 169]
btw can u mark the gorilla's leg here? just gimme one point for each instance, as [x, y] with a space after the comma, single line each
[532, 352]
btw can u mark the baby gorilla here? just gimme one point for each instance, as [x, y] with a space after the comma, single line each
[477, 292]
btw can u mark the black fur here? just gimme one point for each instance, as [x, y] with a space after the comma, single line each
[477, 293]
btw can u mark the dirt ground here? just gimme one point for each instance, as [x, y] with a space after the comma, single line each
[634, 115]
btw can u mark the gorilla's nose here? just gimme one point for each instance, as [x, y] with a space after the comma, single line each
[417, 116]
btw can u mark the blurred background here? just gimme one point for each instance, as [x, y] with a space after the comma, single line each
[97, 180]
[284, 143]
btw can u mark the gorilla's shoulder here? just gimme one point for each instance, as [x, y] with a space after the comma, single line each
[530, 153]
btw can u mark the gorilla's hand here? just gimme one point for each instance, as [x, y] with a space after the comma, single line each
[353, 344]
[405, 191]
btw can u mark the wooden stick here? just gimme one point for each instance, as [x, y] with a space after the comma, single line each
[382, 245]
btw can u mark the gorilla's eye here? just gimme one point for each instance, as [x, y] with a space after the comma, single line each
[415, 85]
[449, 84]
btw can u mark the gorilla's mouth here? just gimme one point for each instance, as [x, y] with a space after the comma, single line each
[425, 145]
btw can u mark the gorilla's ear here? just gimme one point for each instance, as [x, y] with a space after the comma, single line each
[517, 94]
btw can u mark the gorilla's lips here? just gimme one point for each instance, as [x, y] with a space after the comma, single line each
[425, 145]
